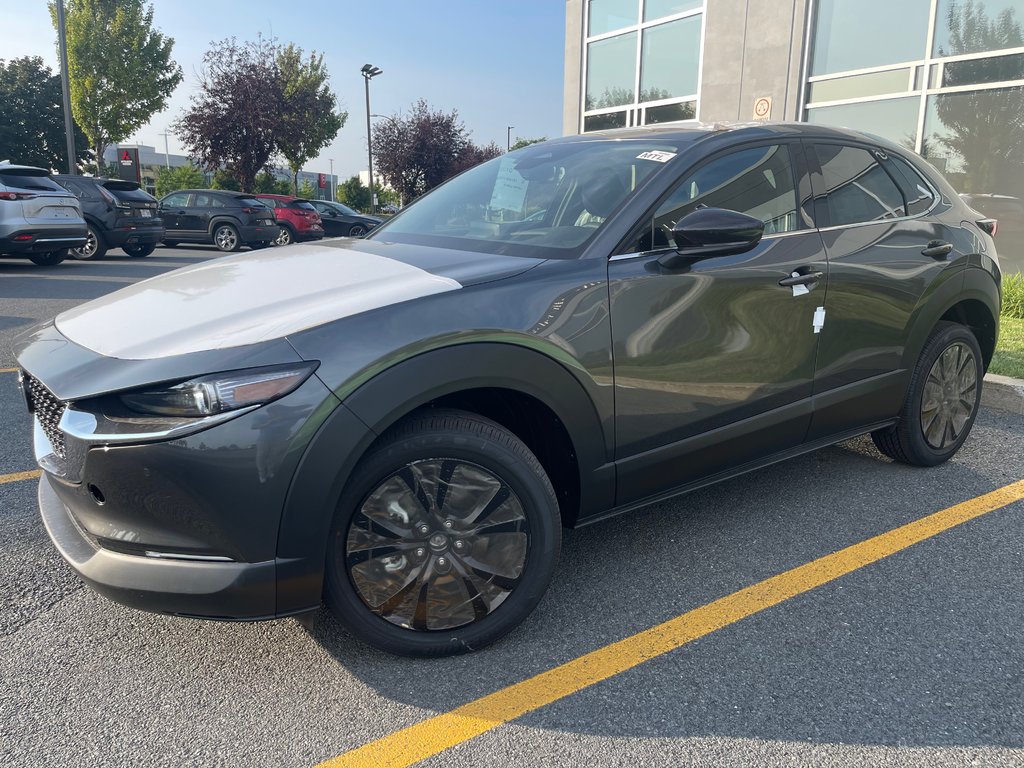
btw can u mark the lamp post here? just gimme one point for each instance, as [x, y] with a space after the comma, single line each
[369, 72]
[508, 139]
[66, 92]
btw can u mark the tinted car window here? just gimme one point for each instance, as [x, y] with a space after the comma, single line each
[128, 192]
[251, 202]
[177, 200]
[757, 182]
[916, 191]
[208, 201]
[302, 204]
[857, 189]
[76, 188]
[26, 178]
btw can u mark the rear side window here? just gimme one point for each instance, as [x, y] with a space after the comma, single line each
[301, 204]
[857, 189]
[26, 178]
[918, 193]
[207, 201]
[251, 202]
[76, 188]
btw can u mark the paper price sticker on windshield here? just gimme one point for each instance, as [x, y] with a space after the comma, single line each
[656, 156]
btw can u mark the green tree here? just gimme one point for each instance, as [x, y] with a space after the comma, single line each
[307, 190]
[183, 177]
[224, 179]
[309, 119]
[268, 184]
[119, 68]
[32, 129]
[521, 142]
[354, 194]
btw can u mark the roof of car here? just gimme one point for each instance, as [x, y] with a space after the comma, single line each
[229, 192]
[5, 164]
[285, 198]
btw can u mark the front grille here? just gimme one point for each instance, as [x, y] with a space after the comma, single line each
[48, 409]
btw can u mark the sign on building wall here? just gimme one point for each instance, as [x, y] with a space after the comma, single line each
[763, 108]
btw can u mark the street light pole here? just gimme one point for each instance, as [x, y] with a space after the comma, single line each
[66, 89]
[369, 72]
[508, 140]
[167, 153]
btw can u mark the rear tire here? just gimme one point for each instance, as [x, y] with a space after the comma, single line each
[450, 505]
[226, 238]
[138, 251]
[285, 236]
[95, 246]
[50, 258]
[942, 400]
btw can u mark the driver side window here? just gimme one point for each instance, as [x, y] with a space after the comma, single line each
[757, 182]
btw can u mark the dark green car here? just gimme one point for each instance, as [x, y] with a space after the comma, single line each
[401, 425]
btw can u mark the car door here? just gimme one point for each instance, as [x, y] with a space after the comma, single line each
[173, 209]
[714, 360]
[196, 221]
[329, 219]
[878, 236]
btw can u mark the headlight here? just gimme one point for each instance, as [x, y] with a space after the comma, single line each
[220, 392]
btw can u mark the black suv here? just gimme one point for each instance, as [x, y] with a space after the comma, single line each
[229, 220]
[403, 423]
[119, 214]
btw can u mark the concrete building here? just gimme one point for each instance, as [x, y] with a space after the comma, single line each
[942, 77]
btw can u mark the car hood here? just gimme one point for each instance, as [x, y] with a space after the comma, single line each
[268, 294]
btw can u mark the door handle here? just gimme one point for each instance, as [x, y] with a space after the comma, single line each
[937, 249]
[806, 279]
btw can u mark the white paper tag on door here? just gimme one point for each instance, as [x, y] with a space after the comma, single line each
[800, 289]
[819, 319]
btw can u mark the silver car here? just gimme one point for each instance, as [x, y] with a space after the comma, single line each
[38, 217]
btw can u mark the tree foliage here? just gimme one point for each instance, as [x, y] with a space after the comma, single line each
[170, 180]
[354, 194]
[521, 142]
[32, 129]
[307, 190]
[982, 131]
[119, 68]
[268, 184]
[309, 119]
[223, 179]
[233, 118]
[417, 152]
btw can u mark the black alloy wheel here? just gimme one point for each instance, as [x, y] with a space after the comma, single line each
[445, 538]
[50, 258]
[138, 251]
[356, 230]
[225, 237]
[95, 246]
[942, 402]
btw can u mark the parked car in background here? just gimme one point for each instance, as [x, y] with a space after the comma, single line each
[297, 219]
[341, 221]
[39, 219]
[1009, 214]
[229, 220]
[118, 214]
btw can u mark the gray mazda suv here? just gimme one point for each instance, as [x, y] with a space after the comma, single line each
[38, 217]
[401, 425]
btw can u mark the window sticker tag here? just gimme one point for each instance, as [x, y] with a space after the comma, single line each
[656, 155]
[819, 319]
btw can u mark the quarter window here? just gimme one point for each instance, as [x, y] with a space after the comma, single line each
[857, 189]
[757, 182]
[917, 192]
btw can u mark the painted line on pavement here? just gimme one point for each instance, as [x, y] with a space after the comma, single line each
[431, 737]
[19, 476]
[8, 370]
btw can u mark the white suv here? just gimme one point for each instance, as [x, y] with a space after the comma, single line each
[38, 217]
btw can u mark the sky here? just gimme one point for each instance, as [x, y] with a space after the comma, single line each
[498, 64]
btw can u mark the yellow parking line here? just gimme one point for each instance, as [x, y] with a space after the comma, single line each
[433, 736]
[30, 475]
[8, 370]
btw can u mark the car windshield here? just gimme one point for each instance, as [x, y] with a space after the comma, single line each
[545, 200]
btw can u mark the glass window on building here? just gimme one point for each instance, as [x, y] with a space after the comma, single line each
[857, 34]
[609, 15]
[892, 119]
[611, 72]
[656, 9]
[670, 59]
[977, 26]
[857, 189]
[976, 139]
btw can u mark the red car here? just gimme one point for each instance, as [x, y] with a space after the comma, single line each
[297, 219]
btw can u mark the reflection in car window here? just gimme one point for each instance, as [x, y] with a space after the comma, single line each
[757, 182]
[857, 189]
[916, 191]
[178, 200]
[546, 200]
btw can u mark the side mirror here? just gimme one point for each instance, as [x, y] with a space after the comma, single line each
[709, 232]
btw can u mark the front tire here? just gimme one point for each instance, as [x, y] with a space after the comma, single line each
[444, 539]
[50, 258]
[95, 246]
[942, 401]
[225, 237]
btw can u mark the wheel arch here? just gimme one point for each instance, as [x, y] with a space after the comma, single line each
[527, 392]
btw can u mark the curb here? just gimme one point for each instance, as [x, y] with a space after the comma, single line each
[1003, 393]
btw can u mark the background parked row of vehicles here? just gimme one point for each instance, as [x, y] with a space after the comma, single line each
[41, 220]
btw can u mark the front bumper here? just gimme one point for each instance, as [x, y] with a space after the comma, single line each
[213, 590]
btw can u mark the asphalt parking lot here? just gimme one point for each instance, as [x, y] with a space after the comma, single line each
[912, 659]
